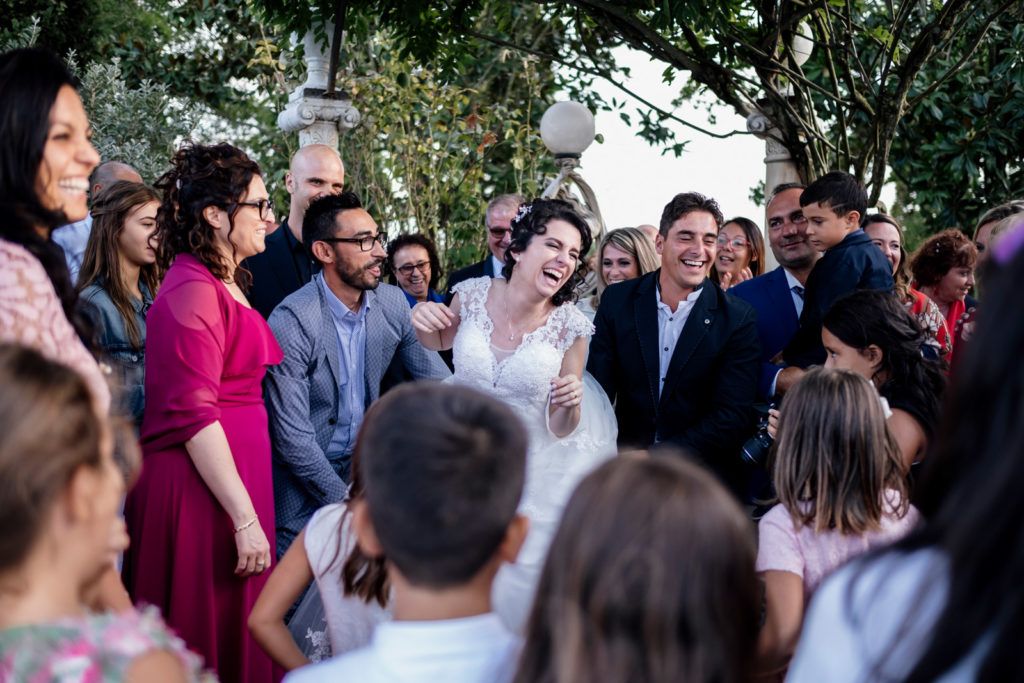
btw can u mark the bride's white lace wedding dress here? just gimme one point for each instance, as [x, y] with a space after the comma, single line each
[521, 377]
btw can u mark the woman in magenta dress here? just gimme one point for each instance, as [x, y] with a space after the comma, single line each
[201, 517]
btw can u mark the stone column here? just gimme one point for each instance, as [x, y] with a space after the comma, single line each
[778, 166]
[317, 115]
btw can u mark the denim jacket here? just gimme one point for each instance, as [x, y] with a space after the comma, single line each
[127, 362]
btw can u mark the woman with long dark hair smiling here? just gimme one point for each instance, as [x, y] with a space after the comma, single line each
[46, 158]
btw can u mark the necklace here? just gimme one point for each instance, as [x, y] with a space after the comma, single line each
[508, 317]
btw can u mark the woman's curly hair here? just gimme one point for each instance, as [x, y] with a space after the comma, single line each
[202, 176]
[940, 254]
[531, 220]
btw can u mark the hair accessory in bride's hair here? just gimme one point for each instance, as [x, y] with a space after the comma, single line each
[521, 213]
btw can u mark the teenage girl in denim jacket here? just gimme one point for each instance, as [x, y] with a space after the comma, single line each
[118, 281]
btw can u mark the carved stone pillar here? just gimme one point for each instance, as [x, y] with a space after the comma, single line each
[316, 115]
[778, 165]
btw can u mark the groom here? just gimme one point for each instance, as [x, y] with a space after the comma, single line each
[678, 356]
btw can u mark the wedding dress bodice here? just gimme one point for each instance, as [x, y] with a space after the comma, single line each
[522, 376]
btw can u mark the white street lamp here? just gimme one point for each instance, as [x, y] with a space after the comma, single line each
[567, 129]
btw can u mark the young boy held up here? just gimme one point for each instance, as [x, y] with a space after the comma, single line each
[833, 206]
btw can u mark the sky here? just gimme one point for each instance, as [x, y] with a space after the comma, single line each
[633, 181]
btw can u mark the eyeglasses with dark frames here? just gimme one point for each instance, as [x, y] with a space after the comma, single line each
[406, 270]
[265, 207]
[365, 243]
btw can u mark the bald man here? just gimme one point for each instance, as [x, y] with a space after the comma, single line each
[285, 265]
[74, 237]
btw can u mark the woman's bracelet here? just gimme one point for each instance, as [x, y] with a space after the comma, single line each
[247, 524]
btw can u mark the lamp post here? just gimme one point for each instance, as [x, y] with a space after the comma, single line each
[314, 108]
[567, 129]
[778, 164]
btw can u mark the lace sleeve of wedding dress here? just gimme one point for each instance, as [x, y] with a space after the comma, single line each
[472, 294]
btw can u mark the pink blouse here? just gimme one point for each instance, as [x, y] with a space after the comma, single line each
[31, 315]
[812, 555]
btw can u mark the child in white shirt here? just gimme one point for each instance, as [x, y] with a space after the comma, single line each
[439, 503]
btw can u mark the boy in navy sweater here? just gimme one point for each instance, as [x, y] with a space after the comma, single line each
[833, 206]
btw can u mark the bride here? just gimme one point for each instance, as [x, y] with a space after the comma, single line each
[522, 340]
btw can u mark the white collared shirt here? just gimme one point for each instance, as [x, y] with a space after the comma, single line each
[798, 301]
[670, 326]
[469, 650]
[497, 265]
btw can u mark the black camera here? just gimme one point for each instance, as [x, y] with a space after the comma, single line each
[755, 450]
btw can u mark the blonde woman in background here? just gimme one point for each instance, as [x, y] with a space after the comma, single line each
[622, 254]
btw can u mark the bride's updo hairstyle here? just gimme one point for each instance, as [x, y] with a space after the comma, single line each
[532, 219]
[650, 577]
[201, 176]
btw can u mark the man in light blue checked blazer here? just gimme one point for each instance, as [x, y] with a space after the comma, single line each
[339, 333]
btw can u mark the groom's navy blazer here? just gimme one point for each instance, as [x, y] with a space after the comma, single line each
[777, 319]
[711, 381]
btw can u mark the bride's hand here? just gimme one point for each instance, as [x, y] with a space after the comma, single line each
[566, 392]
[430, 316]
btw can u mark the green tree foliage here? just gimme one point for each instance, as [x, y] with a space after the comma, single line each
[842, 109]
[60, 24]
[425, 150]
[960, 152]
[139, 126]
[435, 143]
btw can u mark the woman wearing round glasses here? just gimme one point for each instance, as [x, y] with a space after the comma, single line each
[740, 253]
[415, 268]
[201, 517]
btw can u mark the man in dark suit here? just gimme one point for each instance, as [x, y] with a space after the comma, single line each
[777, 296]
[676, 354]
[498, 220]
[285, 265]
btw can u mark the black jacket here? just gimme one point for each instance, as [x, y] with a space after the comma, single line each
[280, 269]
[711, 382]
[479, 269]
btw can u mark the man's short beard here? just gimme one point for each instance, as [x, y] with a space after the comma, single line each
[356, 278]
